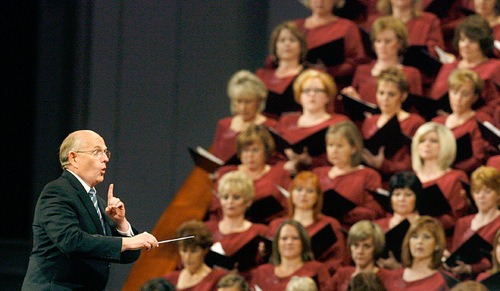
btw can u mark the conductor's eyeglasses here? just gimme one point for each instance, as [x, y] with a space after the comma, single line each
[97, 153]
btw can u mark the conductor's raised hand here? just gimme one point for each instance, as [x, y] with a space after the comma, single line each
[143, 240]
[116, 210]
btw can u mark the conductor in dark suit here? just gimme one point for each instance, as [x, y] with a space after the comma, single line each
[73, 240]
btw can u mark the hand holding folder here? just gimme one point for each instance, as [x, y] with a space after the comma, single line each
[357, 109]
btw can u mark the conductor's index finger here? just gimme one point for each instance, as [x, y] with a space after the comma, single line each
[110, 192]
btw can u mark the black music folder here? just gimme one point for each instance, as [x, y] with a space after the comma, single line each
[336, 205]
[322, 240]
[492, 282]
[330, 54]
[433, 202]
[471, 251]
[440, 7]
[490, 133]
[464, 148]
[391, 131]
[315, 143]
[356, 108]
[243, 259]
[426, 107]
[394, 239]
[418, 56]
[383, 198]
[352, 9]
[279, 103]
[263, 208]
[207, 161]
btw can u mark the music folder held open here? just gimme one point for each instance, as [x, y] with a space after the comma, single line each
[471, 251]
[336, 205]
[391, 131]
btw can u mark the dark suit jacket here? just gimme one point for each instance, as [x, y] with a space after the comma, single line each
[69, 249]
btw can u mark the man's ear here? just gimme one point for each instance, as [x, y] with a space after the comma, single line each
[72, 158]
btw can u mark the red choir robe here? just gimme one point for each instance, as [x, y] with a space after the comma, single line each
[371, 7]
[451, 187]
[209, 283]
[401, 161]
[264, 276]
[341, 279]
[290, 130]
[224, 144]
[265, 187]
[280, 98]
[356, 187]
[337, 254]
[453, 17]
[366, 84]
[233, 242]
[340, 28]
[434, 282]
[489, 71]
[478, 144]
[424, 30]
[463, 233]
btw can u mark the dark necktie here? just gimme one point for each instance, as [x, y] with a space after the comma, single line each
[93, 197]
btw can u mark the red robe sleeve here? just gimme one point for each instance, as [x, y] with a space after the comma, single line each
[426, 30]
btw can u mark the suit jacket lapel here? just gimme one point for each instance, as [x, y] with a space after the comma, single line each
[85, 199]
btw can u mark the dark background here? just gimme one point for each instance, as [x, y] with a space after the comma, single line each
[149, 76]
